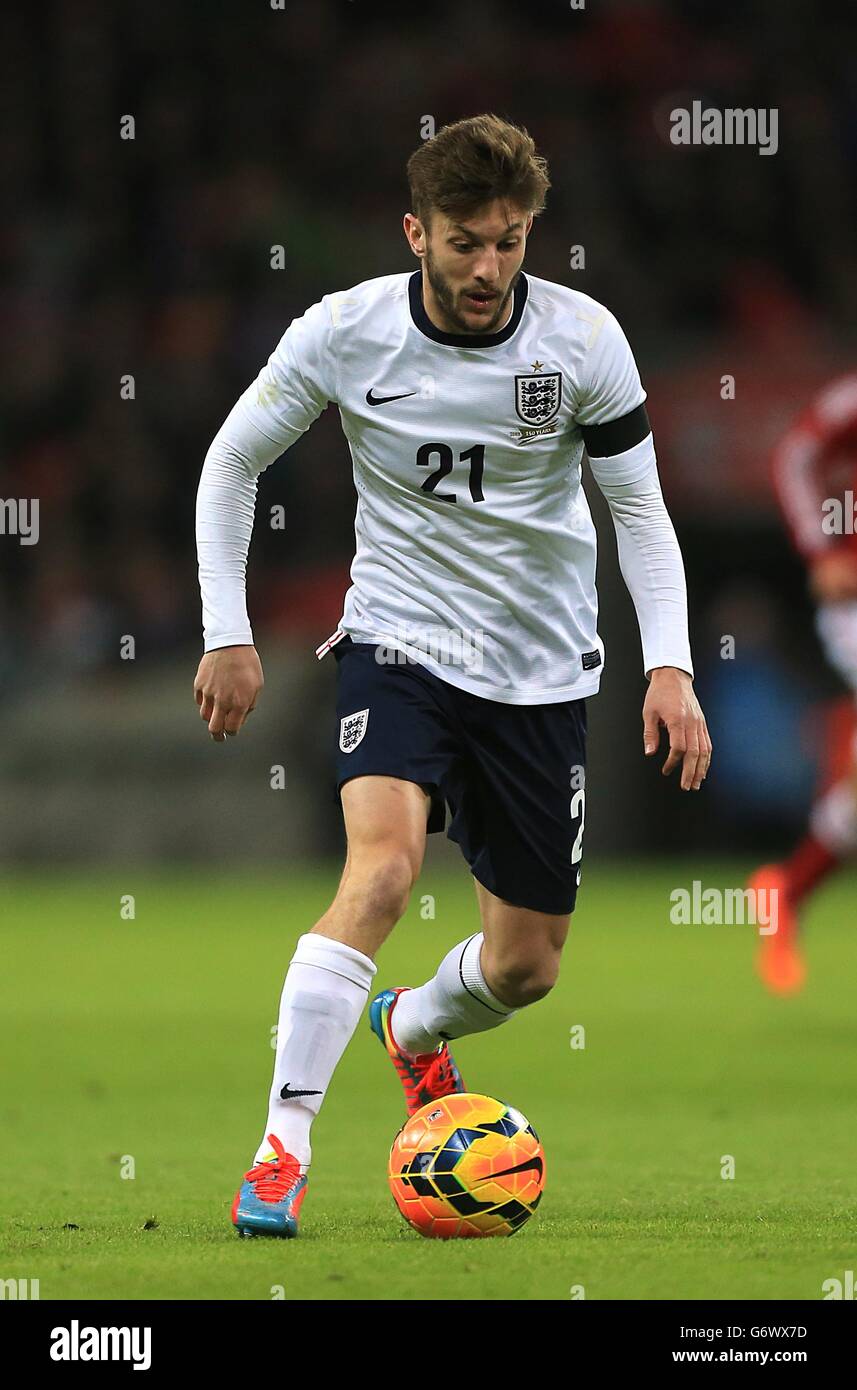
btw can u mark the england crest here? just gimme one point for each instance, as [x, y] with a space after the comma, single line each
[537, 398]
[351, 730]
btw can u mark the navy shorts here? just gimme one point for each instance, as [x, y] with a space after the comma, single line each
[511, 775]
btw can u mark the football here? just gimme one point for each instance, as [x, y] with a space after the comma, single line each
[467, 1165]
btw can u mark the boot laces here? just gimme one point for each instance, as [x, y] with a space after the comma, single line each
[273, 1179]
[440, 1079]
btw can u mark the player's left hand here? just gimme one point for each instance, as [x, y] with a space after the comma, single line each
[671, 702]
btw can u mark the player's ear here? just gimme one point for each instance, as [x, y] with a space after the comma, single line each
[530, 221]
[415, 233]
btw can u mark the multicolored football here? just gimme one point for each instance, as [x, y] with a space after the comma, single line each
[467, 1165]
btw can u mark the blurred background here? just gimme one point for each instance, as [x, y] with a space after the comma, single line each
[150, 258]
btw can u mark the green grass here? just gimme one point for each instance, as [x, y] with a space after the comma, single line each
[150, 1038]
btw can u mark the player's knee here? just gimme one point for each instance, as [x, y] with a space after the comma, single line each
[519, 982]
[387, 877]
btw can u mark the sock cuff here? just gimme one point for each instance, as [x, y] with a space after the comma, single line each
[327, 954]
[470, 972]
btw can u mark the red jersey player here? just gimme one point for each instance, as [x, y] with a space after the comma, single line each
[815, 477]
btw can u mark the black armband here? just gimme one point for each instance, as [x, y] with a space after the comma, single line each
[603, 441]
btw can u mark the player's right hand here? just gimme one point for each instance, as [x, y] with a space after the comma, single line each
[226, 688]
[833, 576]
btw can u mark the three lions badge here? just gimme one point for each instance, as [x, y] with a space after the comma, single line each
[351, 730]
[538, 397]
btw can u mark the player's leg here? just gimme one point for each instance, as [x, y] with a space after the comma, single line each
[830, 840]
[385, 825]
[392, 741]
[519, 822]
[512, 962]
[831, 836]
[332, 969]
[326, 988]
[521, 950]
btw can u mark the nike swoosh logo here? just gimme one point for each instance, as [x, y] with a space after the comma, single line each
[372, 399]
[286, 1094]
[534, 1163]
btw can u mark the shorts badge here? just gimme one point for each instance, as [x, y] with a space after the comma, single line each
[351, 730]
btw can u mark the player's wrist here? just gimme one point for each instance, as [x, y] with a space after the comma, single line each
[661, 672]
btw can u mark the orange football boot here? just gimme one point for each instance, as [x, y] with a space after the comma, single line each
[779, 959]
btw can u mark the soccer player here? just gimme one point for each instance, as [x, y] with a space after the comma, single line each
[468, 644]
[814, 469]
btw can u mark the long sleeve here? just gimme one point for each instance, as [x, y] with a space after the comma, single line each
[225, 507]
[649, 555]
[288, 395]
[615, 428]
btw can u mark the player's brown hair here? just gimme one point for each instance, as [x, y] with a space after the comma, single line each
[472, 162]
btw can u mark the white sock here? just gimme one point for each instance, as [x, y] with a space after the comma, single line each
[456, 1002]
[326, 987]
[833, 819]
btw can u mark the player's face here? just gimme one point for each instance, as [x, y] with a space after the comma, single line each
[472, 267]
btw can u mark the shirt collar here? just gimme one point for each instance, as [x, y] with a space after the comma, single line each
[464, 340]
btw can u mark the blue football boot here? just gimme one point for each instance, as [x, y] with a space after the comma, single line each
[269, 1200]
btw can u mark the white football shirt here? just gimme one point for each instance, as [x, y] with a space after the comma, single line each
[475, 546]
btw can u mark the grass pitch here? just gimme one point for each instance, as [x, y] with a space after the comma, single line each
[147, 1042]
